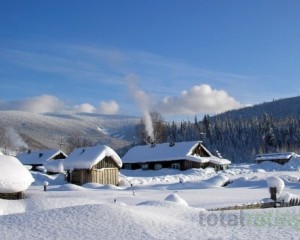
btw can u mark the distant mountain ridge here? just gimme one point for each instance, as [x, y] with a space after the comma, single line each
[52, 130]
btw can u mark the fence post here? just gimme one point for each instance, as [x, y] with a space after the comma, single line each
[273, 191]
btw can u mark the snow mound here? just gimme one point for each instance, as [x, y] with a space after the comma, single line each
[14, 177]
[259, 170]
[124, 183]
[276, 182]
[215, 181]
[92, 185]
[154, 203]
[110, 187]
[69, 187]
[175, 198]
[55, 166]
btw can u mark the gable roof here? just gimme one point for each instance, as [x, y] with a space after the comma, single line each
[165, 152]
[39, 157]
[87, 157]
[14, 177]
[275, 156]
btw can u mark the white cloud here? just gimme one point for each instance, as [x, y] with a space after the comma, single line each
[85, 108]
[39, 104]
[199, 99]
[109, 107]
[48, 103]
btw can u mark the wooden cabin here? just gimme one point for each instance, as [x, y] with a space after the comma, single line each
[280, 158]
[181, 155]
[99, 164]
[14, 178]
[37, 159]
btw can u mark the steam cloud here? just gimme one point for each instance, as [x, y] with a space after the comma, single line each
[142, 100]
[14, 140]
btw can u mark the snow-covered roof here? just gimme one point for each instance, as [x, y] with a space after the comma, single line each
[165, 152]
[219, 161]
[14, 177]
[275, 156]
[86, 158]
[39, 157]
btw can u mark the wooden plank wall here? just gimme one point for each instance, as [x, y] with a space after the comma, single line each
[105, 176]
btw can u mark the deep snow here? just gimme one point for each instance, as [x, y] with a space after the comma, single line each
[153, 207]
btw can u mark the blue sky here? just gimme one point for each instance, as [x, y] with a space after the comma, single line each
[182, 58]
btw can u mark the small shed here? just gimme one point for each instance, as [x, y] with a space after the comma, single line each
[180, 155]
[41, 157]
[99, 164]
[14, 178]
[280, 158]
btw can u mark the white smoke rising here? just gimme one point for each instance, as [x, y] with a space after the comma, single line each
[148, 124]
[14, 140]
[142, 100]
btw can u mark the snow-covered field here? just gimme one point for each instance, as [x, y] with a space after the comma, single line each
[164, 204]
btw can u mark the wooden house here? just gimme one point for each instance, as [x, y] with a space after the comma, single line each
[280, 158]
[14, 178]
[36, 159]
[99, 164]
[181, 155]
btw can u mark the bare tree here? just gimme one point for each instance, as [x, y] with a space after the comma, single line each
[76, 140]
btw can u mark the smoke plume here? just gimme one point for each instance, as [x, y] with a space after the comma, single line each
[143, 102]
[14, 140]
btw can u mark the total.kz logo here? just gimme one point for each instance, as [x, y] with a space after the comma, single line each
[251, 218]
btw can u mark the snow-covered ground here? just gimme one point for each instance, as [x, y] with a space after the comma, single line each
[164, 204]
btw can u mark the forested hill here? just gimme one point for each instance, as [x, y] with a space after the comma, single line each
[276, 109]
[239, 135]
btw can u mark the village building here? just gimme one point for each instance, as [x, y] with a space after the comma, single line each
[14, 178]
[180, 155]
[99, 164]
[280, 158]
[39, 158]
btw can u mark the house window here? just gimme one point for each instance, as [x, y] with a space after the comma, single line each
[175, 165]
[145, 166]
[127, 166]
[157, 166]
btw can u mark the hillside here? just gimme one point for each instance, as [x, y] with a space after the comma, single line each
[35, 131]
[268, 127]
[277, 109]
